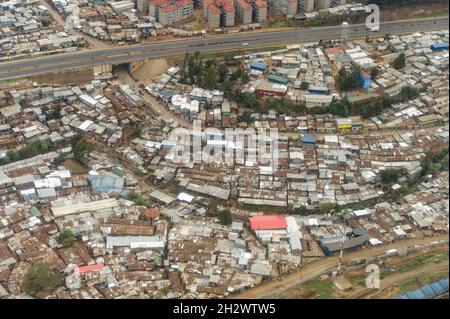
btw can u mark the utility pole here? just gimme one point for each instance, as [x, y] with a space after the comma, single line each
[342, 245]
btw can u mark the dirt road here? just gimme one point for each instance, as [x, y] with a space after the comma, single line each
[391, 280]
[272, 289]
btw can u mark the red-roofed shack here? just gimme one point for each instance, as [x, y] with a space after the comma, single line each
[87, 268]
[267, 222]
[150, 213]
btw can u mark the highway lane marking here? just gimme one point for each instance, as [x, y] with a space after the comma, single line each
[229, 39]
[212, 47]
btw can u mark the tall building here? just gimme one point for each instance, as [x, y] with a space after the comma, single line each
[228, 13]
[169, 11]
[305, 6]
[338, 2]
[323, 4]
[212, 14]
[244, 12]
[142, 6]
[259, 10]
[286, 7]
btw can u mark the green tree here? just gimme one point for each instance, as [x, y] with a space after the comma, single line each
[136, 132]
[210, 79]
[400, 62]
[136, 198]
[302, 210]
[247, 117]
[65, 238]
[374, 73]
[225, 217]
[389, 175]
[327, 208]
[346, 81]
[80, 148]
[40, 277]
[341, 108]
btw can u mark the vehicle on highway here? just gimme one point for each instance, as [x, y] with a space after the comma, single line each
[375, 29]
[245, 44]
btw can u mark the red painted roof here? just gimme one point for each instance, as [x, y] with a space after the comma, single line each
[333, 51]
[267, 222]
[214, 9]
[244, 4]
[261, 4]
[365, 74]
[87, 268]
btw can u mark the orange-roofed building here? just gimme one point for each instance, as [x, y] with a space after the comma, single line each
[244, 12]
[260, 10]
[213, 16]
[151, 213]
[169, 11]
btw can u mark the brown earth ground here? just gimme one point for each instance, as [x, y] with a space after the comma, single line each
[310, 271]
[150, 69]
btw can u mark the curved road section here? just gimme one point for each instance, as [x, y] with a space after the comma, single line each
[126, 54]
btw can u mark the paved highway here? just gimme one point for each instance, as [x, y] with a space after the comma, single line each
[125, 54]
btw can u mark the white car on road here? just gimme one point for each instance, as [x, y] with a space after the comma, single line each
[245, 44]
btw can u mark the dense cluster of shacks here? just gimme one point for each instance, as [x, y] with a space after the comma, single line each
[27, 28]
[173, 247]
[114, 21]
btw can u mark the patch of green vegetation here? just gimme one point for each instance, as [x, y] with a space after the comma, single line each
[419, 281]
[40, 277]
[435, 258]
[321, 289]
[65, 238]
[136, 198]
[32, 149]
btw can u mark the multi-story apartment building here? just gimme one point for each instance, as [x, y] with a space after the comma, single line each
[259, 10]
[286, 7]
[323, 4]
[305, 6]
[244, 12]
[212, 14]
[169, 11]
[142, 6]
[338, 2]
[227, 17]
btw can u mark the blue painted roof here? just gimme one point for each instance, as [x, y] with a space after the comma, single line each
[308, 138]
[258, 65]
[429, 291]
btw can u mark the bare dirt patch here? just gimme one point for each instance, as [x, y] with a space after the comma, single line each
[74, 167]
[150, 69]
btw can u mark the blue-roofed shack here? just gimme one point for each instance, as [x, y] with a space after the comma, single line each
[277, 79]
[258, 66]
[318, 90]
[439, 46]
[430, 291]
[365, 80]
[106, 183]
[308, 139]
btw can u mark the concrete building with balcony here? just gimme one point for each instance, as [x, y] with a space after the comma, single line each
[244, 12]
[323, 4]
[259, 11]
[168, 12]
[286, 7]
[213, 16]
[305, 6]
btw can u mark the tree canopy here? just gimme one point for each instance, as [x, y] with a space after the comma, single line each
[40, 277]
